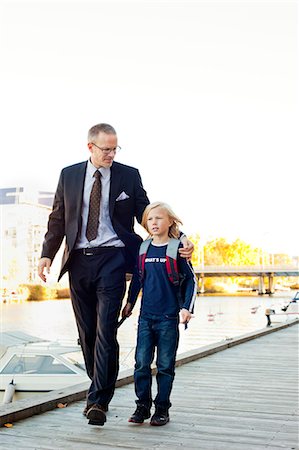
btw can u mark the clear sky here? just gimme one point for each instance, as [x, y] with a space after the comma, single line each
[203, 95]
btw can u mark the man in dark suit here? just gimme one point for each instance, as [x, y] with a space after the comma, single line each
[100, 248]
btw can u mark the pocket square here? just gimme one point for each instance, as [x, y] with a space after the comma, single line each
[122, 196]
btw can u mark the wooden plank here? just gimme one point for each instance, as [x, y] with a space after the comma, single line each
[45, 402]
[245, 398]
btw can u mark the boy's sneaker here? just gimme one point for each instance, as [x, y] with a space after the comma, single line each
[160, 417]
[141, 413]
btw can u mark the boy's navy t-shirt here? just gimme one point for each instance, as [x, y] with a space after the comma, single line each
[158, 294]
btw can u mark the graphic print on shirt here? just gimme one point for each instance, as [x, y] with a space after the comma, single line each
[161, 260]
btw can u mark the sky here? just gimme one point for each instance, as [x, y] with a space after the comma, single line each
[203, 95]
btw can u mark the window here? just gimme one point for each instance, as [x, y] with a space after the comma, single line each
[35, 364]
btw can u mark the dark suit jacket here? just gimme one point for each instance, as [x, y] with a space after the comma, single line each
[65, 218]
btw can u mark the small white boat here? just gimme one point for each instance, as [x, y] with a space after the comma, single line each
[288, 312]
[33, 364]
[296, 297]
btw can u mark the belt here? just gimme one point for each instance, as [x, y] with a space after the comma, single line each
[94, 250]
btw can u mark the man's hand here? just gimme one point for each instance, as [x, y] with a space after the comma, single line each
[188, 249]
[127, 310]
[44, 263]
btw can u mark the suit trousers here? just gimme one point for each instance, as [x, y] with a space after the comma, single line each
[97, 286]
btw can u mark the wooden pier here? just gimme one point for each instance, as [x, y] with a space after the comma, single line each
[243, 398]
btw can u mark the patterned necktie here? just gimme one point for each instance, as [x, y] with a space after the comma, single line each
[94, 208]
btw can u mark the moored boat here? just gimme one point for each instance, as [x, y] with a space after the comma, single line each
[288, 312]
[33, 364]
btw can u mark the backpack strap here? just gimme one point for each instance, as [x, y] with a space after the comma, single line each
[142, 254]
[171, 261]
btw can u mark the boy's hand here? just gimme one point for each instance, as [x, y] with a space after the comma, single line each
[127, 310]
[185, 316]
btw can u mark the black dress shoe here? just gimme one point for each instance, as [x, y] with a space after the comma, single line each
[87, 407]
[96, 415]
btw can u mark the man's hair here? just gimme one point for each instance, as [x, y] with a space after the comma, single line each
[174, 230]
[101, 127]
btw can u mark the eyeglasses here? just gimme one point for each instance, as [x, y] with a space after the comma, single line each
[106, 151]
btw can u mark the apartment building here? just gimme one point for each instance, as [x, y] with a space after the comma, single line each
[23, 221]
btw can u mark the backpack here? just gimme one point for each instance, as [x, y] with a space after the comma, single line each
[171, 263]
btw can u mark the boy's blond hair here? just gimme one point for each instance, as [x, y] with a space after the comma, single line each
[174, 231]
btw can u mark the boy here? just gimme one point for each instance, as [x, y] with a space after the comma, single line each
[159, 315]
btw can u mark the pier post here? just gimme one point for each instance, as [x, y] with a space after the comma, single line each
[202, 284]
[262, 290]
[271, 283]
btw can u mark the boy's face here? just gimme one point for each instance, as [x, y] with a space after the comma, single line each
[158, 222]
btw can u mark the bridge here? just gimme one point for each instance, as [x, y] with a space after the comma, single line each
[261, 271]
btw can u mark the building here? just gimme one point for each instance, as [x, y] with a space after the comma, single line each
[24, 216]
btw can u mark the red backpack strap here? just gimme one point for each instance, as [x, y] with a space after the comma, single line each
[142, 255]
[171, 261]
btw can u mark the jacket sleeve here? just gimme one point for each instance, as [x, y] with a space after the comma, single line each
[141, 199]
[134, 287]
[56, 224]
[189, 284]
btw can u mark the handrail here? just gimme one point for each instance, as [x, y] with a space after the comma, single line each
[269, 268]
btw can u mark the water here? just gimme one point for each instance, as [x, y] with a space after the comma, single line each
[215, 318]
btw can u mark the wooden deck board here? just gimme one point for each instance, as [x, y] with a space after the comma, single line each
[243, 398]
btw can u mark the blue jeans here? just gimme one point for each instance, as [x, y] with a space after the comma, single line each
[159, 332]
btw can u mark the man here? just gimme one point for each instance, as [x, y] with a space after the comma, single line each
[94, 208]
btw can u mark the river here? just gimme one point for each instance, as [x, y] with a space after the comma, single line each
[215, 318]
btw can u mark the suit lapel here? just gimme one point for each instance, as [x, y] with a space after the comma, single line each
[114, 186]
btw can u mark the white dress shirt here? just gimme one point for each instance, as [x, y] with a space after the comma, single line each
[106, 235]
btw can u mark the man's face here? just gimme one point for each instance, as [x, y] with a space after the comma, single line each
[99, 149]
